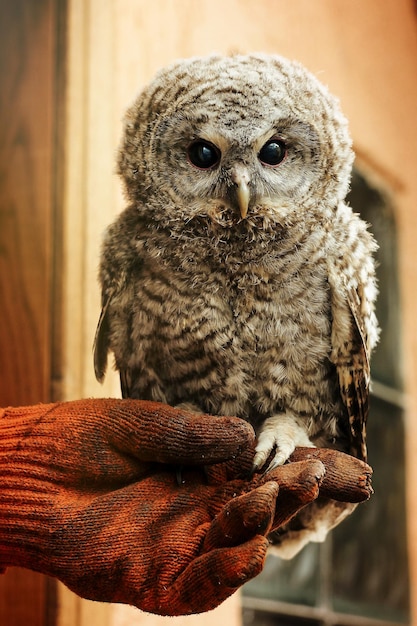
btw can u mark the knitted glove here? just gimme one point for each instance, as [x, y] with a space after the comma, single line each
[88, 494]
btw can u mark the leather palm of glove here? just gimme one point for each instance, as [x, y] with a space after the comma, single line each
[88, 494]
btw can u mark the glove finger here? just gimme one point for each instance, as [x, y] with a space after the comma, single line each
[213, 577]
[242, 518]
[152, 431]
[347, 479]
[299, 484]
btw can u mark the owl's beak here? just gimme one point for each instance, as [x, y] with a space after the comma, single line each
[240, 177]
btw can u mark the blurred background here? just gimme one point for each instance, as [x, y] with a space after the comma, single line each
[68, 70]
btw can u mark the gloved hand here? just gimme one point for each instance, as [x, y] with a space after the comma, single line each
[88, 494]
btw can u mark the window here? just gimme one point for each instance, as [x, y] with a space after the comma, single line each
[359, 576]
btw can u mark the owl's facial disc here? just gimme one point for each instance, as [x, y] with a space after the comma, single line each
[240, 177]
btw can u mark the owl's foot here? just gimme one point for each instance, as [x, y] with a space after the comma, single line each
[282, 432]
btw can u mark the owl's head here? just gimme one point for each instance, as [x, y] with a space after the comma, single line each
[251, 139]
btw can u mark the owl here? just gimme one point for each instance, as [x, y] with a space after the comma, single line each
[238, 281]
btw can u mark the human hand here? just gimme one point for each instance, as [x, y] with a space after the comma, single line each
[90, 496]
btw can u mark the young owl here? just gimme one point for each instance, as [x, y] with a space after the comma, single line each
[237, 281]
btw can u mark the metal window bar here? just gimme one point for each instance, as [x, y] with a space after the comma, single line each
[323, 615]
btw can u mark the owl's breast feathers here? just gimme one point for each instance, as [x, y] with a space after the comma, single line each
[249, 339]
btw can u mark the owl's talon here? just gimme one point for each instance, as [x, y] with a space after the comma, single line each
[283, 432]
[178, 476]
[273, 465]
[258, 461]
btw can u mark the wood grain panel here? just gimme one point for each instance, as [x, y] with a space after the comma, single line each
[25, 211]
[28, 237]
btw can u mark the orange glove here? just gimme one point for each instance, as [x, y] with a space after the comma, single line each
[88, 494]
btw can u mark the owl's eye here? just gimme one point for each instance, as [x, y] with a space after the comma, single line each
[203, 154]
[273, 152]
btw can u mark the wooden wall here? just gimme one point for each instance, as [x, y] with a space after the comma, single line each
[31, 73]
[27, 146]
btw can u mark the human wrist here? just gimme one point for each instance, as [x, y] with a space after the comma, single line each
[26, 488]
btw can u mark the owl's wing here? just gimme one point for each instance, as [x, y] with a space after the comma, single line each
[354, 378]
[351, 318]
[121, 265]
[102, 340]
[125, 383]
[102, 347]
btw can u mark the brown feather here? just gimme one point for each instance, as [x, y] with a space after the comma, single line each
[101, 344]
